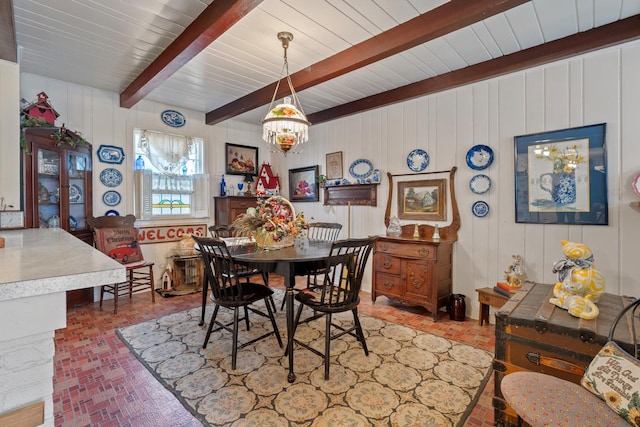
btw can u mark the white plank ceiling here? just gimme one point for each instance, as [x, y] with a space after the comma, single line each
[106, 44]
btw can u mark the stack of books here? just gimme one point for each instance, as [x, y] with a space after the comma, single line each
[504, 289]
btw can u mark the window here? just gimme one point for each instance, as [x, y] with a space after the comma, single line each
[169, 176]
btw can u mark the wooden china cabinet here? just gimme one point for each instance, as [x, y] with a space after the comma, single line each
[57, 187]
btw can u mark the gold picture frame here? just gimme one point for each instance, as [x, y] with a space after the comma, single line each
[423, 200]
[334, 165]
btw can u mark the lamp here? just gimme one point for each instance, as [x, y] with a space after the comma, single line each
[248, 179]
[285, 127]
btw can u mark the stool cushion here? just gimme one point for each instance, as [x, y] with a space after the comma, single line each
[544, 400]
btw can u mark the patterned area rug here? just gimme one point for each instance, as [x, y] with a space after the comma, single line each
[410, 378]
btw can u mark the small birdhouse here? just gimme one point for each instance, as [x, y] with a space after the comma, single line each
[266, 178]
[41, 109]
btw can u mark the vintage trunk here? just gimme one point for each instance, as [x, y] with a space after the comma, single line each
[534, 335]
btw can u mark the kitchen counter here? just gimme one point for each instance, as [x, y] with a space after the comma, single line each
[37, 267]
[42, 261]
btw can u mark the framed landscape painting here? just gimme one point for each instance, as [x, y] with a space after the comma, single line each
[422, 200]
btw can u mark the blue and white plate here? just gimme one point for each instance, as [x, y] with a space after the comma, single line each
[479, 157]
[75, 193]
[418, 160]
[480, 184]
[111, 154]
[361, 168]
[73, 223]
[111, 177]
[480, 209]
[112, 212]
[111, 198]
[173, 118]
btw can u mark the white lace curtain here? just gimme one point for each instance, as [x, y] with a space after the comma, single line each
[168, 153]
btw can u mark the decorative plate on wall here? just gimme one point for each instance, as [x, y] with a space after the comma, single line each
[361, 168]
[112, 212]
[418, 160]
[480, 209]
[173, 118]
[479, 157]
[111, 154]
[636, 185]
[111, 198]
[480, 184]
[111, 177]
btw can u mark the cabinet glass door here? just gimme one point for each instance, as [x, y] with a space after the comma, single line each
[48, 196]
[77, 167]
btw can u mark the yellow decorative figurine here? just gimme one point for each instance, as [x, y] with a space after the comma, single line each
[580, 284]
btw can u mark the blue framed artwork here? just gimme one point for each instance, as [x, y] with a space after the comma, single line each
[111, 154]
[561, 177]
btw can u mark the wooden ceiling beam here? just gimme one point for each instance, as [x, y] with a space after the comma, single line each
[438, 22]
[217, 18]
[8, 45]
[598, 38]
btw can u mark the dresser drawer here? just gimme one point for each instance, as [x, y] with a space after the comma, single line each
[389, 284]
[386, 264]
[405, 250]
[244, 204]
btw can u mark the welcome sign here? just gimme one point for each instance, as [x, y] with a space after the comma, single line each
[169, 233]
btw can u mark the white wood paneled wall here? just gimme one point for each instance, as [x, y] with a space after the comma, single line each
[594, 88]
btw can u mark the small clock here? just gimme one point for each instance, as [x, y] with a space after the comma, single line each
[11, 219]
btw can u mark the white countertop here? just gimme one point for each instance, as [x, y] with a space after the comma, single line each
[42, 261]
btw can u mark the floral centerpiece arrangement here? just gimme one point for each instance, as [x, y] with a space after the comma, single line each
[273, 223]
[563, 160]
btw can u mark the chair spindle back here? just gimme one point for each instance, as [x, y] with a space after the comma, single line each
[344, 271]
[220, 269]
[327, 231]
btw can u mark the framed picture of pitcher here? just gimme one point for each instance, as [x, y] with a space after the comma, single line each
[561, 177]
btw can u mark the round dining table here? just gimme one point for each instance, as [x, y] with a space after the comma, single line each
[287, 262]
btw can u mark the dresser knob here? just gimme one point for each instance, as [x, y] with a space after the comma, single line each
[387, 285]
[424, 251]
[386, 264]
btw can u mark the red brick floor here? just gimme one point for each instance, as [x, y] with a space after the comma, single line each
[99, 382]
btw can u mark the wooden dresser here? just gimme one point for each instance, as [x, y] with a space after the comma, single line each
[534, 335]
[413, 271]
[228, 208]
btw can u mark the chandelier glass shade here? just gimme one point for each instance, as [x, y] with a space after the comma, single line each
[285, 127]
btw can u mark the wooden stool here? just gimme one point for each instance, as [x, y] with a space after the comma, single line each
[488, 297]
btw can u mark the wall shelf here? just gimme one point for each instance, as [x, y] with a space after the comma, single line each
[353, 194]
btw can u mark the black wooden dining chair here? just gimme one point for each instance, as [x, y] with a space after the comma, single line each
[318, 231]
[244, 271]
[338, 292]
[228, 291]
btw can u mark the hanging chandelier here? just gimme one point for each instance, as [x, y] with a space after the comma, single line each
[285, 127]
